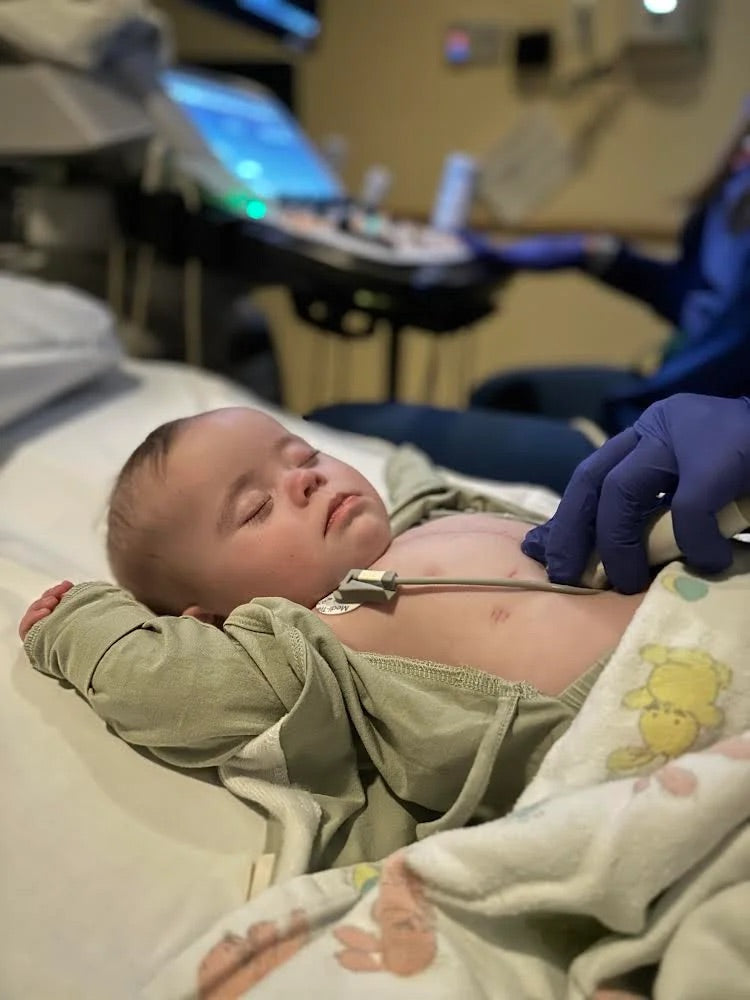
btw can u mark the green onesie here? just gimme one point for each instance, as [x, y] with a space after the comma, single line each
[389, 749]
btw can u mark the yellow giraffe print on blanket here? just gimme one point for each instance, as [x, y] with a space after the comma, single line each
[676, 702]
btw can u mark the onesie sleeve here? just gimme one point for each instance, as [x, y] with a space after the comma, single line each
[189, 692]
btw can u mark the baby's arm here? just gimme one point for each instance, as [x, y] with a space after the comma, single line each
[188, 691]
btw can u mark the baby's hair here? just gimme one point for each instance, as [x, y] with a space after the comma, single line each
[135, 533]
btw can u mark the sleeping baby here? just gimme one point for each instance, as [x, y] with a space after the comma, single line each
[227, 535]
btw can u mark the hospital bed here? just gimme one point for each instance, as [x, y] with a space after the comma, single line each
[122, 877]
[111, 863]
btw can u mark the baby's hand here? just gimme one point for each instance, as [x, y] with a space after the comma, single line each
[42, 607]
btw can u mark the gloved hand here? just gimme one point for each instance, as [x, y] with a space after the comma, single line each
[535, 253]
[695, 449]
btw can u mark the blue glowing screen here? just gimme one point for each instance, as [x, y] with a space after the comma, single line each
[284, 15]
[255, 138]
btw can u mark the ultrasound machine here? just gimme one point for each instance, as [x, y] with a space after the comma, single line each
[239, 186]
[288, 219]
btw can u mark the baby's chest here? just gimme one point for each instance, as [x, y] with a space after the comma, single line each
[545, 639]
[478, 545]
[449, 624]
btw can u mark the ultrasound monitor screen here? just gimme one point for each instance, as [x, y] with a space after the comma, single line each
[254, 137]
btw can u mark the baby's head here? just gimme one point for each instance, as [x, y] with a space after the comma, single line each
[214, 510]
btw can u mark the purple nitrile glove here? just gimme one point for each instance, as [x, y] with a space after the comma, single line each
[693, 448]
[535, 253]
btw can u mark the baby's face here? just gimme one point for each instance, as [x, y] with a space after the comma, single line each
[257, 512]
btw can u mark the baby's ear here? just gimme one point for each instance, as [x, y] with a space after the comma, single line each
[195, 611]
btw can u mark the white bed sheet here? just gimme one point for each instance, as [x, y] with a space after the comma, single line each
[100, 847]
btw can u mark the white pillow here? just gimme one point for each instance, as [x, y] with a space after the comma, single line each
[52, 339]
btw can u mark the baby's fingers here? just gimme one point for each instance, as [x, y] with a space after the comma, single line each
[31, 618]
[42, 606]
[44, 602]
[51, 597]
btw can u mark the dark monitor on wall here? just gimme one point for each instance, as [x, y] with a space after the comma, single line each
[295, 22]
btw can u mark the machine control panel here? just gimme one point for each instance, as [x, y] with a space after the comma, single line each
[373, 235]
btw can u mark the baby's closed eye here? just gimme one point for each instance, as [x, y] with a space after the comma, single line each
[257, 510]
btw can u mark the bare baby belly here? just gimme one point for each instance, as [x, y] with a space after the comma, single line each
[545, 639]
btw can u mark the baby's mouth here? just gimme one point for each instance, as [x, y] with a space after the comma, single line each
[337, 508]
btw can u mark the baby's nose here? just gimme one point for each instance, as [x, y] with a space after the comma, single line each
[301, 484]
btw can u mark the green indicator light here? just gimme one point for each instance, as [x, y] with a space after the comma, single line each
[256, 209]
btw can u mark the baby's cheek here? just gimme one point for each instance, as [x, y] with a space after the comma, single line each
[371, 535]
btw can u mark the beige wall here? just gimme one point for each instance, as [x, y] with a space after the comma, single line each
[377, 76]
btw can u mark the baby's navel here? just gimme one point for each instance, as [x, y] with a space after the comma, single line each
[499, 614]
